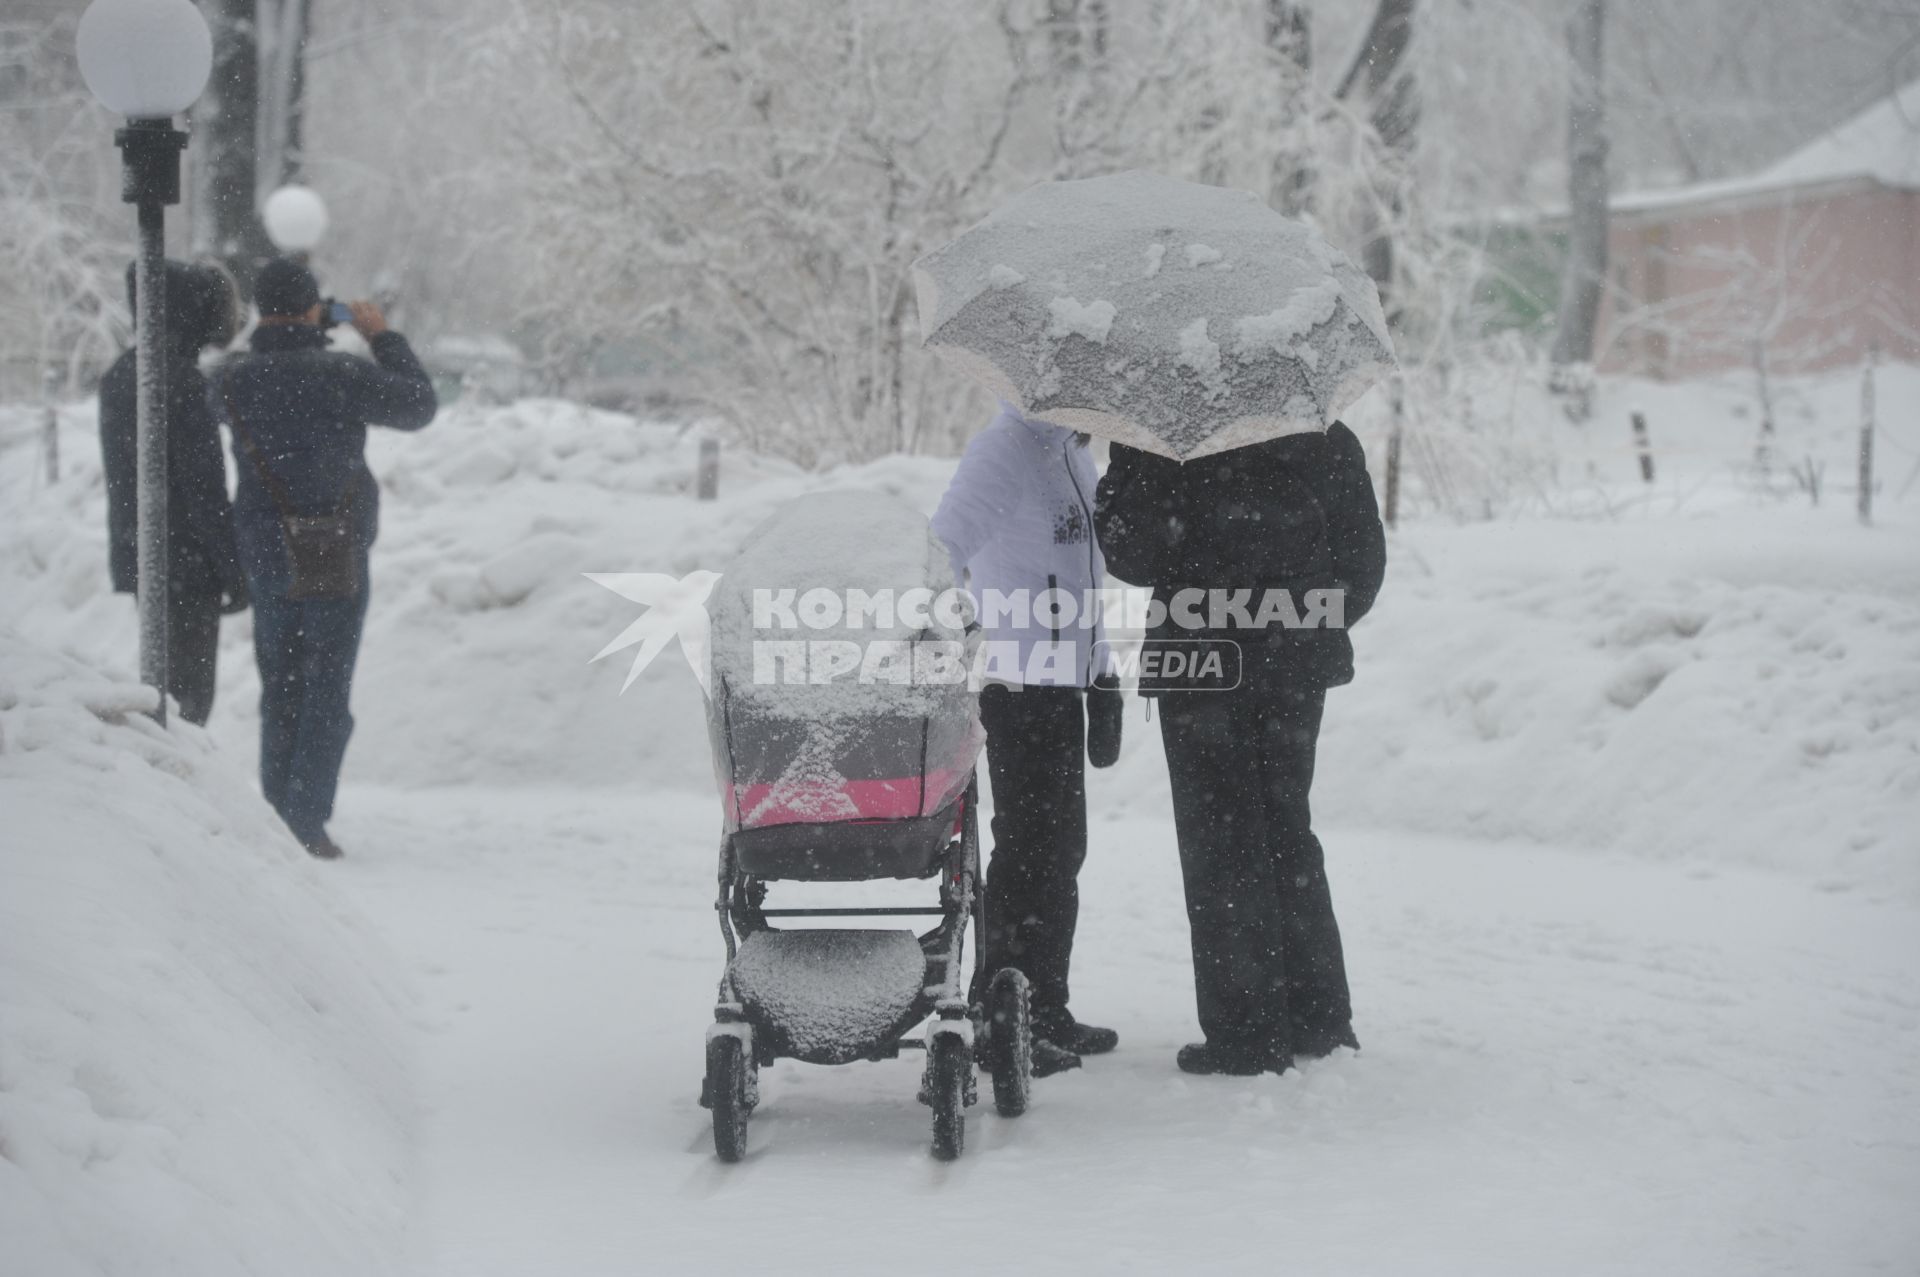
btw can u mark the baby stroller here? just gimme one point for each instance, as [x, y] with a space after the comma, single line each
[844, 737]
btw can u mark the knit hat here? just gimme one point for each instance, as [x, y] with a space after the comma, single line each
[285, 287]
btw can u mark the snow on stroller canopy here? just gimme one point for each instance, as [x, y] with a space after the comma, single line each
[808, 575]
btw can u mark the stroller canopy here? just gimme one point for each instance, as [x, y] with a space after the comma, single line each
[839, 662]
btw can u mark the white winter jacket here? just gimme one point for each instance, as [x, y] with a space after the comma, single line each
[1018, 521]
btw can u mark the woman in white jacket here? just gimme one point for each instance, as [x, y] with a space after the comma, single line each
[1018, 521]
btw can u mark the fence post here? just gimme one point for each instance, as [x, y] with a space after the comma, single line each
[1866, 438]
[1394, 433]
[707, 487]
[50, 435]
[1643, 445]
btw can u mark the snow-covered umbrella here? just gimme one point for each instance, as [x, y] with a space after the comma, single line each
[1174, 317]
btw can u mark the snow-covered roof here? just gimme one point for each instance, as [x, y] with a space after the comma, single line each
[1880, 145]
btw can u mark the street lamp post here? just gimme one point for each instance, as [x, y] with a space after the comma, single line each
[148, 60]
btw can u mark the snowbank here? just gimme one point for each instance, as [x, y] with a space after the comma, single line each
[201, 1049]
[1618, 688]
[1705, 668]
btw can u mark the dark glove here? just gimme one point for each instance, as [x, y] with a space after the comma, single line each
[236, 598]
[1106, 706]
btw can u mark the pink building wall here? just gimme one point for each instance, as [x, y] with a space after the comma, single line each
[1815, 277]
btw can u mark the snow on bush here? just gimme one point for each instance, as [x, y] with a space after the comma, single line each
[201, 1048]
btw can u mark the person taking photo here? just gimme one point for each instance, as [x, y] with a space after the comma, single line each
[306, 513]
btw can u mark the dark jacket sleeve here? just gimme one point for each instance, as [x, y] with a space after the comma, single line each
[1137, 515]
[1354, 533]
[199, 478]
[394, 390]
[118, 464]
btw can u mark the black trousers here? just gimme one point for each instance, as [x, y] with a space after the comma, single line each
[1266, 948]
[193, 649]
[1036, 762]
[306, 650]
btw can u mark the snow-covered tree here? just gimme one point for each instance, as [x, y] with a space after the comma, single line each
[1586, 269]
[222, 161]
[1381, 81]
[721, 199]
[247, 126]
[743, 187]
[64, 235]
[284, 28]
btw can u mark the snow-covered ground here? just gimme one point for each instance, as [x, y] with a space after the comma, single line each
[204, 1046]
[1569, 1065]
[1623, 815]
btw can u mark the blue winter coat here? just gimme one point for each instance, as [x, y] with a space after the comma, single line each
[307, 410]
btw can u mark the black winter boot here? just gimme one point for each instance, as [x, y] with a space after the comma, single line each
[1318, 1043]
[1205, 1057]
[1050, 1058]
[1082, 1039]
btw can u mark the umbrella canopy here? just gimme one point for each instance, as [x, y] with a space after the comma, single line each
[1173, 317]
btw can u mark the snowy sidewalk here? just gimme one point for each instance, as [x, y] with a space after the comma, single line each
[1572, 1065]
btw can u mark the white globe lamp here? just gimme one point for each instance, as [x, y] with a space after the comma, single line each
[144, 59]
[295, 218]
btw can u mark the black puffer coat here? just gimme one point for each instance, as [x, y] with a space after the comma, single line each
[1296, 513]
[200, 540]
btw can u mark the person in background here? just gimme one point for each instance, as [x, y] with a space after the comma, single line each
[1294, 514]
[299, 415]
[1018, 517]
[203, 565]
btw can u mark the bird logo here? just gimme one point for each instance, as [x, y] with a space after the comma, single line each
[676, 608]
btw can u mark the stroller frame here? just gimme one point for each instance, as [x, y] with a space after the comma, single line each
[740, 1040]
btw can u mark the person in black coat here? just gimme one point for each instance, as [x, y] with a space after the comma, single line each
[204, 577]
[1294, 515]
[299, 415]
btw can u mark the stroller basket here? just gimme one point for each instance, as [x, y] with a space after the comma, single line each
[848, 851]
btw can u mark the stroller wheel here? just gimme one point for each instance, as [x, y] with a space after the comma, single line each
[1009, 1042]
[949, 1069]
[728, 1094]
